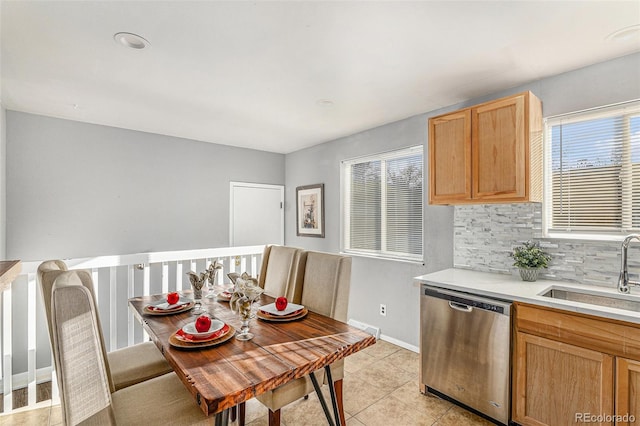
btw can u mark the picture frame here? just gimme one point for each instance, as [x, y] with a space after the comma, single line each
[310, 211]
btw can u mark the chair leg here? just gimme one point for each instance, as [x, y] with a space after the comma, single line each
[338, 386]
[274, 418]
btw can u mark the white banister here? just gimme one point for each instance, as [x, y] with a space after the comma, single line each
[31, 339]
[113, 309]
[116, 279]
[7, 379]
[130, 292]
[165, 277]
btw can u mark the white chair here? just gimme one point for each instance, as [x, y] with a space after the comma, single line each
[325, 290]
[83, 380]
[126, 366]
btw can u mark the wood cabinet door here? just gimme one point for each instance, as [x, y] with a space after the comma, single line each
[559, 384]
[627, 392]
[500, 147]
[450, 158]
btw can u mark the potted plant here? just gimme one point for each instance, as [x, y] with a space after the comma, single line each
[530, 258]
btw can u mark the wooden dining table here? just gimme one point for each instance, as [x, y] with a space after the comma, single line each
[222, 376]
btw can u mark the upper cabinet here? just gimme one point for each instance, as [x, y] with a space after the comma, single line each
[489, 153]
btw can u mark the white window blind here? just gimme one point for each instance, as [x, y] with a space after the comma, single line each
[382, 205]
[593, 170]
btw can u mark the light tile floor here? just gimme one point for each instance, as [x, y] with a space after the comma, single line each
[380, 388]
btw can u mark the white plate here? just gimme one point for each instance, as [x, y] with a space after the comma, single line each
[190, 328]
[271, 309]
[164, 305]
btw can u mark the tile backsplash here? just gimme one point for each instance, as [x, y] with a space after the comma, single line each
[484, 235]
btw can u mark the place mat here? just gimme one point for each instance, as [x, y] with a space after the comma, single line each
[280, 318]
[149, 310]
[175, 340]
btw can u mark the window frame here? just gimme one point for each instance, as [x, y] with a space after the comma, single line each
[345, 211]
[590, 114]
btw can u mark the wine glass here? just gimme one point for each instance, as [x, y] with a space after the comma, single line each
[245, 308]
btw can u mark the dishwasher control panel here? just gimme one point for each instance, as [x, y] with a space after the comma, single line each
[470, 300]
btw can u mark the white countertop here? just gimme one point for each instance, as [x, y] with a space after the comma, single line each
[507, 287]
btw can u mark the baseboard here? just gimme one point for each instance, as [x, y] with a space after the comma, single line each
[375, 331]
[400, 343]
[367, 328]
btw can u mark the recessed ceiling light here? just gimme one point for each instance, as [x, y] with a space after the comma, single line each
[131, 40]
[324, 103]
[625, 34]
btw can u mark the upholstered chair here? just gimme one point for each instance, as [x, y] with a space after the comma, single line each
[126, 366]
[281, 272]
[325, 290]
[85, 393]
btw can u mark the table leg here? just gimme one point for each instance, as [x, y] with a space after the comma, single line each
[332, 391]
[316, 386]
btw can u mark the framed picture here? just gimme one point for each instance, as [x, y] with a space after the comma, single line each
[310, 210]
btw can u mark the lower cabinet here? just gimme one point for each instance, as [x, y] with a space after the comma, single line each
[628, 391]
[559, 384]
[571, 369]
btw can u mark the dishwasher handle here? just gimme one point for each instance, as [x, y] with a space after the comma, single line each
[460, 306]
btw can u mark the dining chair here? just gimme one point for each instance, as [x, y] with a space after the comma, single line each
[282, 271]
[85, 394]
[126, 366]
[325, 290]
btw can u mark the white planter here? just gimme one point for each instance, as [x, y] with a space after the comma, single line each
[529, 274]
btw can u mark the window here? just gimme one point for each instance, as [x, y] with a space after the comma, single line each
[593, 171]
[382, 205]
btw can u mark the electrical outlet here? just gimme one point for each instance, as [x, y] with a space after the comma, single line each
[383, 310]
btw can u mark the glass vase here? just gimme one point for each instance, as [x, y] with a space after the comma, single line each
[197, 298]
[245, 312]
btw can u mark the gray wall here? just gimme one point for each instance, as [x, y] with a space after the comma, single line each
[77, 189]
[373, 281]
[376, 281]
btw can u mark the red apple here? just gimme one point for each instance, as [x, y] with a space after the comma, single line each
[203, 323]
[173, 298]
[281, 303]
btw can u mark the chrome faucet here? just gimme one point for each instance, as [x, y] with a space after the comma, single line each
[623, 280]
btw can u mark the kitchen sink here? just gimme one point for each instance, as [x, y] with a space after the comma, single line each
[625, 302]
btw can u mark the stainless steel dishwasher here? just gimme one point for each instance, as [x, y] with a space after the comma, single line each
[465, 351]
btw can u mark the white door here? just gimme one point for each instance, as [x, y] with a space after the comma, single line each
[257, 214]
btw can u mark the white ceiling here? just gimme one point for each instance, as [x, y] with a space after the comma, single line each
[251, 74]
